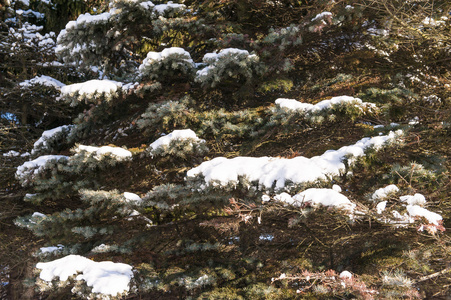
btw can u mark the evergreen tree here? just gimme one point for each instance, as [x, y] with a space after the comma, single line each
[226, 149]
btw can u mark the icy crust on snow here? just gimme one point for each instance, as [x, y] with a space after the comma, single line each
[318, 197]
[266, 171]
[43, 80]
[295, 105]
[104, 277]
[182, 134]
[33, 167]
[98, 152]
[47, 135]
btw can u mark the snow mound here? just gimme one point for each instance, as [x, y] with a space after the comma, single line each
[132, 197]
[417, 199]
[384, 192]
[183, 134]
[318, 197]
[91, 88]
[295, 105]
[43, 80]
[267, 171]
[99, 152]
[212, 57]
[87, 18]
[33, 167]
[417, 211]
[104, 277]
[47, 135]
[163, 8]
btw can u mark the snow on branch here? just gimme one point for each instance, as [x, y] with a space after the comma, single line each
[307, 108]
[93, 90]
[228, 64]
[270, 171]
[179, 143]
[170, 61]
[103, 277]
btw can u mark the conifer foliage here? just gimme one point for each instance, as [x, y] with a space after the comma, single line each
[225, 149]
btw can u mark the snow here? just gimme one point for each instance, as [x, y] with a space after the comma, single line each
[317, 197]
[43, 80]
[48, 134]
[38, 215]
[51, 249]
[384, 192]
[337, 188]
[380, 207]
[11, 153]
[324, 197]
[345, 275]
[322, 16]
[159, 56]
[325, 104]
[162, 8]
[91, 87]
[267, 171]
[182, 134]
[131, 197]
[211, 57]
[147, 4]
[28, 12]
[417, 199]
[36, 165]
[88, 18]
[104, 277]
[418, 211]
[119, 153]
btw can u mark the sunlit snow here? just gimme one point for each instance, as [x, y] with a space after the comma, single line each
[104, 277]
[275, 170]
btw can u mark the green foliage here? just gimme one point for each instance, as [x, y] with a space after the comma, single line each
[392, 101]
[181, 148]
[229, 66]
[280, 85]
[192, 239]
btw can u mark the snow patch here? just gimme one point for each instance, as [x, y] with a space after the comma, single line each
[417, 199]
[418, 211]
[384, 192]
[131, 197]
[104, 277]
[175, 135]
[267, 171]
[91, 87]
[295, 105]
[43, 80]
[380, 207]
[36, 165]
[47, 135]
[99, 152]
